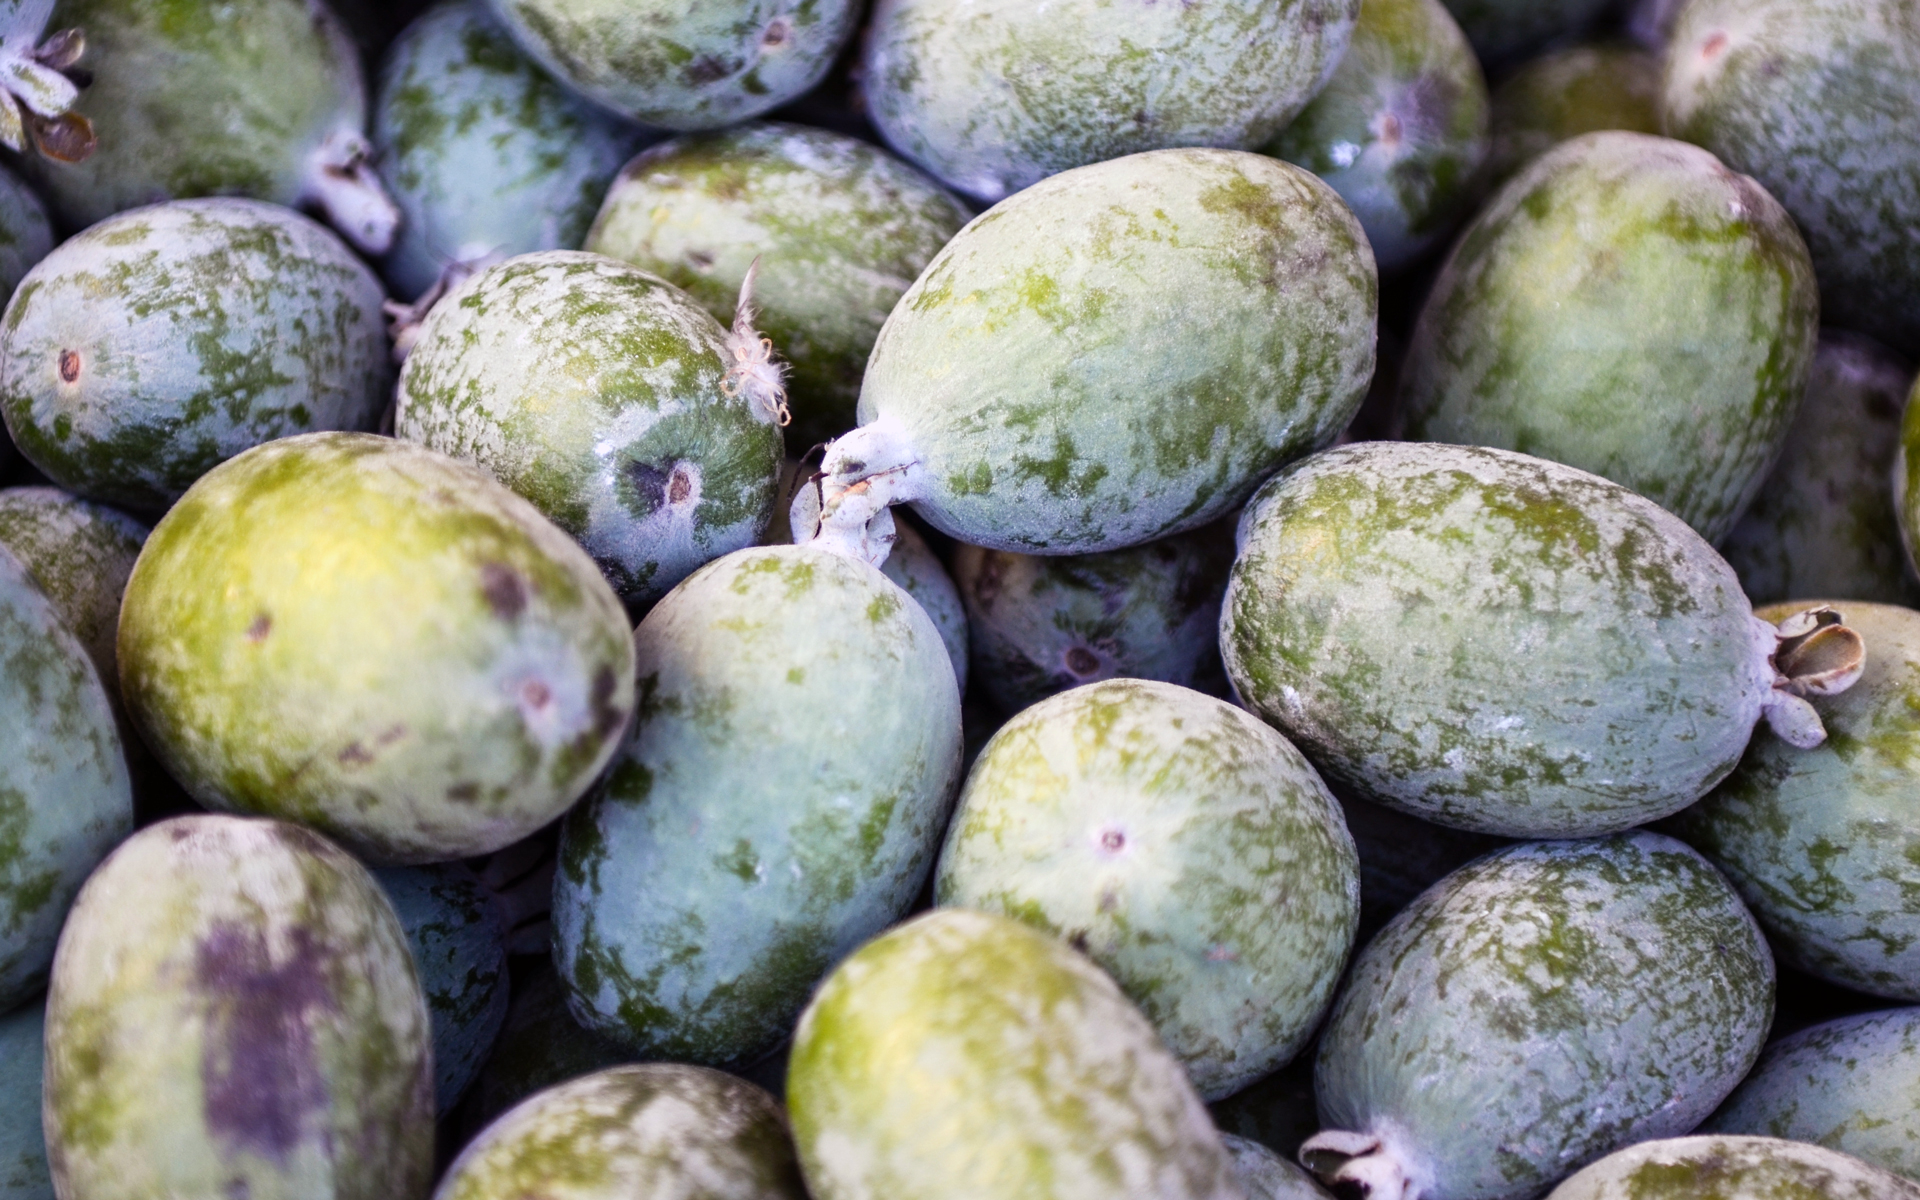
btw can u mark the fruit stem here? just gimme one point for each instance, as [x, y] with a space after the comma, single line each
[862, 475]
[1811, 653]
[341, 182]
[1362, 1161]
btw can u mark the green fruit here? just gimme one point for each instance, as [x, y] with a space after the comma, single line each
[1537, 1009]
[1906, 479]
[371, 638]
[1851, 1085]
[781, 801]
[23, 1146]
[1732, 1168]
[1822, 843]
[80, 554]
[65, 797]
[1183, 846]
[162, 341]
[487, 156]
[656, 1129]
[684, 64]
[26, 236]
[1264, 1175]
[1559, 96]
[840, 230]
[964, 1056]
[1628, 306]
[1824, 523]
[1042, 625]
[1399, 130]
[258, 98]
[539, 1045]
[993, 96]
[234, 1012]
[608, 398]
[1815, 99]
[1117, 353]
[1502, 29]
[1496, 642]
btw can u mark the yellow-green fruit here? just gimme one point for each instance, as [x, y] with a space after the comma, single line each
[1722, 1167]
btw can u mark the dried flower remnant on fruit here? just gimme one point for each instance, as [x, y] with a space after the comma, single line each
[751, 367]
[1816, 655]
[40, 82]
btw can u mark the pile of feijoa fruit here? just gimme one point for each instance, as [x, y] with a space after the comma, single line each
[959, 600]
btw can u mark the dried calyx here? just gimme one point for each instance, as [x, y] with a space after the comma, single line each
[751, 367]
[342, 184]
[404, 320]
[39, 83]
[1813, 654]
[845, 507]
[1362, 1164]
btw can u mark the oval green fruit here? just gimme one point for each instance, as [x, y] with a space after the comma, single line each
[1117, 353]
[992, 97]
[608, 398]
[964, 1056]
[1496, 642]
[781, 801]
[162, 341]
[1628, 306]
[81, 554]
[23, 1144]
[1182, 845]
[840, 229]
[1559, 96]
[374, 639]
[234, 1012]
[1538, 1008]
[653, 1129]
[1732, 1168]
[26, 236]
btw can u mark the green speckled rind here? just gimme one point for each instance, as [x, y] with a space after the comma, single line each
[1628, 306]
[26, 236]
[655, 1129]
[1492, 641]
[1502, 29]
[1815, 99]
[151, 347]
[1542, 1006]
[841, 230]
[374, 639]
[81, 554]
[684, 64]
[1851, 1085]
[1559, 96]
[1824, 844]
[540, 1045]
[781, 801]
[23, 1145]
[918, 571]
[1824, 523]
[1400, 129]
[485, 154]
[458, 936]
[1182, 845]
[593, 389]
[995, 95]
[1124, 351]
[197, 99]
[1040, 625]
[1733, 1168]
[963, 1056]
[234, 1013]
[65, 796]
[1264, 1175]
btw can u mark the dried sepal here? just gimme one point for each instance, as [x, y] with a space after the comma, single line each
[13, 128]
[67, 138]
[62, 50]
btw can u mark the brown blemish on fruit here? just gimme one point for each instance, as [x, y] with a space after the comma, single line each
[464, 793]
[778, 33]
[355, 755]
[679, 485]
[1715, 45]
[1113, 841]
[535, 693]
[505, 590]
[1082, 661]
[69, 365]
[261, 627]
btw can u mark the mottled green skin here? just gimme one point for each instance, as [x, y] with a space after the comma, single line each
[1042, 625]
[963, 1056]
[26, 236]
[1400, 129]
[23, 1146]
[1733, 1168]
[781, 801]
[1264, 1175]
[1851, 1085]
[234, 1013]
[1503, 29]
[1824, 523]
[1183, 846]
[996, 95]
[1490, 641]
[458, 936]
[684, 64]
[593, 389]
[197, 99]
[65, 797]
[1628, 306]
[655, 1129]
[1815, 99]
[486, 155]
[1542, 1006]
[1559, 96]
[373, 639]
[1124, 351]
[840, 229]
[918, 571]
[81, 554]
[191, 331]
[540, 1045]
[1402, 856]
[1824, 844]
